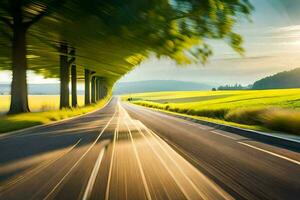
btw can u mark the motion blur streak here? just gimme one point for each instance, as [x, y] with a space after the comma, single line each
[141, 154]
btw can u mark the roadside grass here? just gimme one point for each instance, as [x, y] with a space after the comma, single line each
[20, 121]
[276, 110]
[219, 121]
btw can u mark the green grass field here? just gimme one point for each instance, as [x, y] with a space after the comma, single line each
[46, 111]
[38, 103]
[277, 110]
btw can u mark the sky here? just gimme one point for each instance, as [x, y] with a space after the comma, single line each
[272, 44]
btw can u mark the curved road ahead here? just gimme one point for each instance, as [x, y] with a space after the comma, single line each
[129, 152]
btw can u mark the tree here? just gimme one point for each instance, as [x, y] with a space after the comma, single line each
[19, 16]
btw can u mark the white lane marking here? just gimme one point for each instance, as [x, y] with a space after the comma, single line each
[139, 163]
[78, 161]
[201, 127]
[218, 190]
[93, 176]
[209, 181]
[221, 134]
[170, 157]
[164, 164]
[141, 169]
[157, 155]
[271, 153]
[112, 158]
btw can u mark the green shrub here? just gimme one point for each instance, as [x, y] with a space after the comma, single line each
[248, 116]
[216, 113]
[191, 112]
[184, 110]
[282, 120]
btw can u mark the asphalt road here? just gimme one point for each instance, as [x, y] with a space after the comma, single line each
[129, 152]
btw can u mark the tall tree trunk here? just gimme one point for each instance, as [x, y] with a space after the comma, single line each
[93, 89]
[87, 80]
[19, 93]
[100, 89]
[64, 77]
[105, 91]
[74, 85]
[97, 89]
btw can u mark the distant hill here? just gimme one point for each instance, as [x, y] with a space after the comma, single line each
[157, 85]
[120, 88]
[36, 89]
[286, 79]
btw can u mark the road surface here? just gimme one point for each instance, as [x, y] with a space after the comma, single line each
[129, 152]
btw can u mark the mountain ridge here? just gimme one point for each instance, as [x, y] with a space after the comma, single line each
[281, 80]
[120, 88]
[158, 85]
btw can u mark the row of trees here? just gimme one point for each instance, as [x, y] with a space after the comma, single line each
[234, 87]
[104, 39]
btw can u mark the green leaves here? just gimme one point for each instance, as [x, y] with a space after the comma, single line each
[112, 37]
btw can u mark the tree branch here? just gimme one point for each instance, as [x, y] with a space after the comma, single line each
[47, 11]
[35, 19]
[72, 54]
[6, 21]
[71, 61]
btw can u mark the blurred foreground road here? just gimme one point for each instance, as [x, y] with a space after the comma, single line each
[129, 152]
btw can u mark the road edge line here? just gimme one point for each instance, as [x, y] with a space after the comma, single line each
[271, 153]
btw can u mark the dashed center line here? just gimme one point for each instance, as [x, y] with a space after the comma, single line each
[271, 153]
[221, 134]
[147, 190]
[112, 158]
[93, 176]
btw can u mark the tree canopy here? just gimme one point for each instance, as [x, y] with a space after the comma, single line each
[111, 37]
